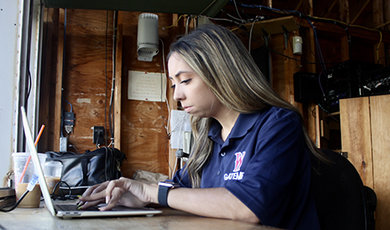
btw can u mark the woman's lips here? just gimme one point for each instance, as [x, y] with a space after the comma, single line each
[187, 108]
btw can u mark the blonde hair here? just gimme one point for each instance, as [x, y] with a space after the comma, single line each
[218, 56]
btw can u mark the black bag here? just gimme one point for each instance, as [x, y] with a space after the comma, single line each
[90, 168]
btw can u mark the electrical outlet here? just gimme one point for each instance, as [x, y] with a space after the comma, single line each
[98, 135]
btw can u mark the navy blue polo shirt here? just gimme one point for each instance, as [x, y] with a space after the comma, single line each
[265, 163]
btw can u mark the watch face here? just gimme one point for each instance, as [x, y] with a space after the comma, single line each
[168, 184]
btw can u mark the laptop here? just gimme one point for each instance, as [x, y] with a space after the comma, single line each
[70, 210]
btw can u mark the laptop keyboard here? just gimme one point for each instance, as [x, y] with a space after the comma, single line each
[72, 207]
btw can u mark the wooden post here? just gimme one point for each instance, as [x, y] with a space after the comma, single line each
[118, 89]
[58, 94]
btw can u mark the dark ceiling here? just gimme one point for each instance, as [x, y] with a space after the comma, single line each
[355, 12]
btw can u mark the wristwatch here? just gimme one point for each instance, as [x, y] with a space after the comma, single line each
[163, 189]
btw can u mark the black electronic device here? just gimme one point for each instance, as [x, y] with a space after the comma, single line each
[377, 82]
[343, 80]
[98, 135]
[307, 87]
[69, 121]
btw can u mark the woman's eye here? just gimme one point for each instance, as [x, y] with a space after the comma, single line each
[185, 81]
[173, 86]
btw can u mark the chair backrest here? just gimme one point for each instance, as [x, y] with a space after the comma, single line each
[340, 194]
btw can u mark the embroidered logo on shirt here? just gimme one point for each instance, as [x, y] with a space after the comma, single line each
[236, 174]
[239, 158]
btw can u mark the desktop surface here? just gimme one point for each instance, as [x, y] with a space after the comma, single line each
[40, 218]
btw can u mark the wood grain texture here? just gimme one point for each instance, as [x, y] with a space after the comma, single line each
[282, 77]
[48, 79]
[59, 81]
[88, 73]
[118, 89]
[40, 218]
[356, 136]
[365, 125]
[140, 127]
[380, 122]
[145, 139]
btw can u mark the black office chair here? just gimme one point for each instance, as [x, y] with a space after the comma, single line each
[343, 202]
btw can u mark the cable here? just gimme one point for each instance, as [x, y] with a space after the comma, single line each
[17, 203]
[61, 196]
[250, 37]
[30, 187]
[317, 44]
[237, 11]
[224, 19]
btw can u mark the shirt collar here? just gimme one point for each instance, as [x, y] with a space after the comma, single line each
[244, 123]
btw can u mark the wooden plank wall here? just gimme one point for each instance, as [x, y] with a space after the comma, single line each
[87, 86]
[356, 136]
[364, 128]
[380, 122]
[143, 124]
[48, 82]
[143, 135]
[87, 72]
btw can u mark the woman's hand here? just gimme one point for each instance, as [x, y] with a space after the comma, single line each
[123, 191]
[93, 196]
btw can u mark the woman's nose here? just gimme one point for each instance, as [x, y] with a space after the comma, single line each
[177, 94]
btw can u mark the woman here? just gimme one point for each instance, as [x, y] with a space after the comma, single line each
[251, 155]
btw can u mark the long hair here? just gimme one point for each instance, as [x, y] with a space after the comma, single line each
[218, 56]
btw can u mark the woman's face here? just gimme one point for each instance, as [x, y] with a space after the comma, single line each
[189, 89]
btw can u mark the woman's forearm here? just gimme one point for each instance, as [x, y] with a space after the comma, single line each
[210, 202]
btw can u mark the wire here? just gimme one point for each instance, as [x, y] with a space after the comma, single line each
[317, 44]
[17, 203]
[71, 106]
[237, 11]
[173, 25]
[224, 19]
[382, 25]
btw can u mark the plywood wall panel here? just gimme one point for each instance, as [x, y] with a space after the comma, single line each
[380, 122]
[145, 139]
[364, 128]
[88, 74]
[87, 83]
[144, 136]
[48, 96]
[356, 136]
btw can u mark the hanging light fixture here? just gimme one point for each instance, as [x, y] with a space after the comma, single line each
[147, 37]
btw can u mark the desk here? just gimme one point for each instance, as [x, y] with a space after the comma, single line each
[40, 218]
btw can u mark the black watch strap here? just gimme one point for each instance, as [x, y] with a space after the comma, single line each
[163, 189]
[163, 195]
